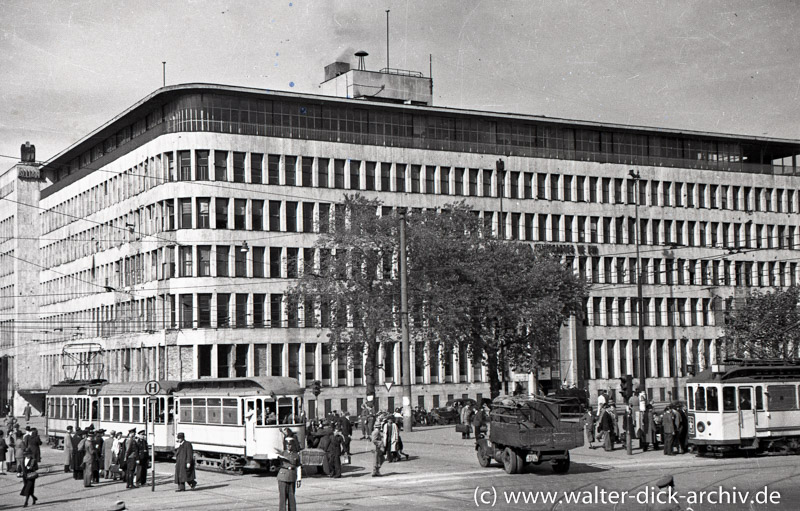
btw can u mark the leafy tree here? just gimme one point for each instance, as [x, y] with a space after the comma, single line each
[764, 325]
[351, 287]
[502, 300]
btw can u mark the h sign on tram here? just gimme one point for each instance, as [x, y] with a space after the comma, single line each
[152, 388]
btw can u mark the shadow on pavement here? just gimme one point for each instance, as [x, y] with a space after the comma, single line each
[545, 469]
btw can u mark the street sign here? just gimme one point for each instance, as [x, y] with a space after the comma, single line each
[388, 386]
[152, 388]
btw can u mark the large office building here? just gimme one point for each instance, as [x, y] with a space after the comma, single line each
[160, 245]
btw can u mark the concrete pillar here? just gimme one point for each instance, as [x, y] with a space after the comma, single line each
[285, 360]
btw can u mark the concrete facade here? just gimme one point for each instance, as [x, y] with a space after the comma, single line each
[139, 255]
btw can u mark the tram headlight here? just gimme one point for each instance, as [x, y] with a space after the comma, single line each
[701, 427]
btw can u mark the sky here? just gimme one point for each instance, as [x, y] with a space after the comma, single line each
[67, 67]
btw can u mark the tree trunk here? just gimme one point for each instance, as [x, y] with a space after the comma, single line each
[491, 371]
[371, 371]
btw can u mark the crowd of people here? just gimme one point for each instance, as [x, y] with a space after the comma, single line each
[640, 420]
[90, 454]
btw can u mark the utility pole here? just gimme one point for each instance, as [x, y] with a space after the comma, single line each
[642, 358]
[387, 40]
[405, 348]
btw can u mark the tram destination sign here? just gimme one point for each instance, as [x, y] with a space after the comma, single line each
[152, 388]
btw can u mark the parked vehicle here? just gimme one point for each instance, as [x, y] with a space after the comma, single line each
[523, 430]
[442, 416]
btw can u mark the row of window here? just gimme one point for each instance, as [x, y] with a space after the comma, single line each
[624, 311]
[613, 358]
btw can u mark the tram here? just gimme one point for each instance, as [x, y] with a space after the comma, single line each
[235, 423]
[748, 405]
[124, 406]
[71, 403]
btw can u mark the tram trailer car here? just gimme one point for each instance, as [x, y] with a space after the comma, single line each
[124, 406]
[71, 403]
[747, 405]
[235, 423]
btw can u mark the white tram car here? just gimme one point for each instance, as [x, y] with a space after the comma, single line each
[71, 403]
[235, 422]
[124, 406]
[750, 405]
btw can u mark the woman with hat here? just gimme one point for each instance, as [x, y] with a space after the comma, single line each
[29, 467]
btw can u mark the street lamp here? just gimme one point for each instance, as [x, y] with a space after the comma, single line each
[642, 359]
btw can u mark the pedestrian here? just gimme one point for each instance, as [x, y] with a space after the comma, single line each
[602, 399]
[184, 464]
[347, 433]
[9, 459]
[35, 444]
[29, 472]
[19, 452]
[377, 440]
[290, 475]
[89, 459]
[144, 459]
[606, 428]
[336, 449]
[466, 420]
[3, 453]
[588, 427]
[69, 450]
[683, 430]
[27, 412]
[117, 457]
[131, 458]
[108, 454]
[668, 427]
[391, 436]
[77, 455]
[325, 433]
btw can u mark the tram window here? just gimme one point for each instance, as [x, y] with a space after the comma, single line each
[64, 412]
[106, 409]
[199, 410]
[126, 409]
[186, 410]
[95, 409]
[259, 412]
[298, 409]
[285, 410]
[690, 396]
[759, 398]
[214, 411]
[229, 408]
[781, 397]
[137, 410]
[170, 411]
[745, 398]
[115, 406]
[700, 399]
[712, 399]
[270, 413]
[728, 399]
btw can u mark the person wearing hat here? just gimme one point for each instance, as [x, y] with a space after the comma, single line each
[77, 455]
[132, 456]
[97, 445]
[69, 450]
[325, 435]
[89, 460]
[19, 452]
[108, 454]
[144, 459]
[290, 474]
[29, 467]
[184, 463]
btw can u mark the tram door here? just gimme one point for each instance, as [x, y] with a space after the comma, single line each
[250, 418]
[747, 413]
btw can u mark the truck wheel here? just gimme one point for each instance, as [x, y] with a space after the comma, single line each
[512, 462]
[483, 459]
[561, 466]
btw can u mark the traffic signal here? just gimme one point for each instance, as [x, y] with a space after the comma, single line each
[316, 387]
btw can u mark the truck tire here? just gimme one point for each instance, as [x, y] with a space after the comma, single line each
[483, 459]
[561, 466]
[512, 462]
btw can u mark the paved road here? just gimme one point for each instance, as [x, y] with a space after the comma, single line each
[442, 474]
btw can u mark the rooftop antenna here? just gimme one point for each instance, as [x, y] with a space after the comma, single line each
[163, 73]
[361, 54]
[387, 40]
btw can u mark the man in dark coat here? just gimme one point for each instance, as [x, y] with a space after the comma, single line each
[325, 435]
[334, 453]
[668, 427]
[184, 464]
[131, 459]
[144, 459]
[347, 432]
